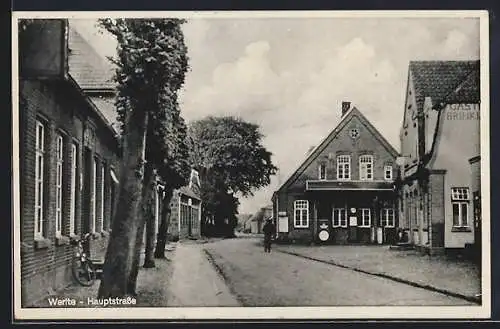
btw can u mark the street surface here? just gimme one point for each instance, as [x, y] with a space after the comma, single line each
[277, 279]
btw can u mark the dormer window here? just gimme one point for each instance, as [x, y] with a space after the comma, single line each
[322, 171]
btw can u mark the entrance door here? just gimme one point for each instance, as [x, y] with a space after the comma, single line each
[323, 231]
[353, 215]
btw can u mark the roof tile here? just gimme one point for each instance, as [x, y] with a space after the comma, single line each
[89, 69]
[439, 79]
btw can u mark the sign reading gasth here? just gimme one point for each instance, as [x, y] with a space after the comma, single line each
[462, 112]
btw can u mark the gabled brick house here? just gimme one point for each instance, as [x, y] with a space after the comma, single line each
[69, 157]
[344, 191]
[440, 139]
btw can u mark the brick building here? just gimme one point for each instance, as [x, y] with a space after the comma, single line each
[344, 191]
[69, 160]
[440, 147]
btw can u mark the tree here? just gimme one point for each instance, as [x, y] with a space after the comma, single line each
[174, 171]
[150, 69]
[232, 161]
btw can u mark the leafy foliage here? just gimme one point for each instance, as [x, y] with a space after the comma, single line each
[151, 65]
[231, 149]
[231, 159]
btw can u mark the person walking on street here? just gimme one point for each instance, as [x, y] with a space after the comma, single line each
[269, 230]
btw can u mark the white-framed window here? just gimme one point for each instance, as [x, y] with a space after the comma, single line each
[344, 167]
[460, 199]
[387, 217]
[366, 217]
[388, 172]
[72, 209]
[101, 210]
[301, 213]
[322, 171]
[366, 167]
[93, 224]
[39, 180]
[59, 184]
[339, 217]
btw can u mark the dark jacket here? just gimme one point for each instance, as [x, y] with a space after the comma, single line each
[269, 229]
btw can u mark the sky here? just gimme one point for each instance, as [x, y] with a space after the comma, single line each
[290, 75]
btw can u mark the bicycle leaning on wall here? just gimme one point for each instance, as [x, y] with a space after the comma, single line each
[82, 267]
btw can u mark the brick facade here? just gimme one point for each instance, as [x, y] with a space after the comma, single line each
[45, 263]
[54, 102]
[354, 137]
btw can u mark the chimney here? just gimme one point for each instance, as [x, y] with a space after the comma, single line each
[345, 107]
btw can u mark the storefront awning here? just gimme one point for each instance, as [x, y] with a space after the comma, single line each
[336, 185]
[113, 176]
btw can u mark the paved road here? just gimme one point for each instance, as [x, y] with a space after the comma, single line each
[277, 279]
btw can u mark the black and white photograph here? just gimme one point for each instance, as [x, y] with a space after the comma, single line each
[251, 165]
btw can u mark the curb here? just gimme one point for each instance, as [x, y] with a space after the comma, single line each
[222, 275]
[472, 299]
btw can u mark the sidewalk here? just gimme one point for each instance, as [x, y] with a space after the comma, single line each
[152, 285]
[197, 284]
[452, 277]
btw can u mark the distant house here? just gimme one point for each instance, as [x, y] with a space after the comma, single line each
[185, 218]
[69, 159]
[344, 191]
[257, 221]
[242, 218]
[440, 139]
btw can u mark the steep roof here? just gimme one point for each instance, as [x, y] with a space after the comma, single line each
[437, 79]
[324, 143]
[467, 91]
[90, 70]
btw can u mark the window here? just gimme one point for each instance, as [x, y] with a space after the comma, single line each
[72, 212]
[366, 167]
[460, 202]
[339, 217]
[93, 229]
[322, 171]
[39, 179]
[301, 212]
[343, 167]
[366, 217]
[387, 217]
[102, 198]
[59, 183]
[388, 172]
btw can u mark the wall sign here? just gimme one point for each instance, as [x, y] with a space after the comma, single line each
[353, 221]
[324, 235]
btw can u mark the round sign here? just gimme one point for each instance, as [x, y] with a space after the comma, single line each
[353, 210]
[324, 235]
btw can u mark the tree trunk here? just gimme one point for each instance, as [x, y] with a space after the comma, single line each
[150, 207]
[143, 214]
[121, 248]
[161, 240]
